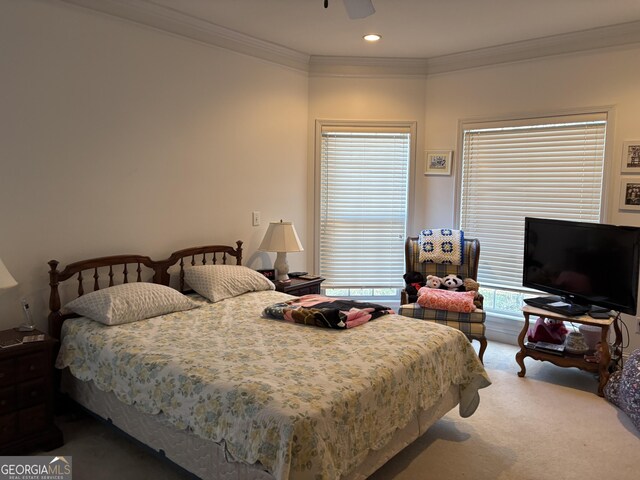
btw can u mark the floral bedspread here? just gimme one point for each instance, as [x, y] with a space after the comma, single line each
[305, 402]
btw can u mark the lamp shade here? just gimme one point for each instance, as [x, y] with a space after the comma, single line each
[6, 280]
[281, 237]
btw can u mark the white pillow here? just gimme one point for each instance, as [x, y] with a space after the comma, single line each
[130, 302]
[217, 282]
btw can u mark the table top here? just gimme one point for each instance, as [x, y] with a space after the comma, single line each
[584, 319]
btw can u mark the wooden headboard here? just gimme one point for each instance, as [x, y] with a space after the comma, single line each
[129, 268]
[195, 256]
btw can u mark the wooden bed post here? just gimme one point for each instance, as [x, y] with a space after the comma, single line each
[161, 273]
[54, 296]
[54, 300]
[239, 256]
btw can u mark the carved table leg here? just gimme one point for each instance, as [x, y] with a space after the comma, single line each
[522, 353]
[605, 358]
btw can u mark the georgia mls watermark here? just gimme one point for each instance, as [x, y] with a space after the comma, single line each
[35, 468]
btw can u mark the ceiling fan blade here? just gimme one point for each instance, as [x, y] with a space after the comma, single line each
[359, 8]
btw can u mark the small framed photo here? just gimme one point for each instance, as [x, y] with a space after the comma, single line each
[631, 157]
[630, 193]
[438, 162]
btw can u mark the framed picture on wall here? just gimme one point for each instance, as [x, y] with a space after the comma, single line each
[630, 193]
[438, 162]
[631, 157]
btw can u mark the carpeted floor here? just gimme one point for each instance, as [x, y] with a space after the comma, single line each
[548, 425]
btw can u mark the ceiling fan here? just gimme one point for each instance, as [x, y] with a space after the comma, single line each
[356, 8]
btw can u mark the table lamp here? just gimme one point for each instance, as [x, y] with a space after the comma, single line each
[281, 237]
[7, 281]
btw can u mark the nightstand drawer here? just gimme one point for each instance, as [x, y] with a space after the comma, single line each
[32, 366]
[32, 393]
[300, 286]
[8, 427]
[7, 372]
[314, 289]
[7, 399]
[23, 395]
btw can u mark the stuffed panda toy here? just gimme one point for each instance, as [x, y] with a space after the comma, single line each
[453, 283]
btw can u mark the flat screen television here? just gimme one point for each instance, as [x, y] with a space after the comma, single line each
[584, 263]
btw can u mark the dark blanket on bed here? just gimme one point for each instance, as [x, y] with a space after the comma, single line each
[326, 312]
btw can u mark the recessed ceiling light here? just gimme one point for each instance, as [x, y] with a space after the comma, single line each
[372, 37]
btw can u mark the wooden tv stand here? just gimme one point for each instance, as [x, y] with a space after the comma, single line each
[568, 359]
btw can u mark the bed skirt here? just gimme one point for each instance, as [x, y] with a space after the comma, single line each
[208, 460]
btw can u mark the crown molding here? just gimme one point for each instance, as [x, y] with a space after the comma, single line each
[583, 40]
[147, 13]
[367, 66]
[178, 23]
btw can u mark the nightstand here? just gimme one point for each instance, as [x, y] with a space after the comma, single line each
[298, 287]
[26, 395]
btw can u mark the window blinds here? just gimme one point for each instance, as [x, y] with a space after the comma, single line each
[363, 206]
[548, 169]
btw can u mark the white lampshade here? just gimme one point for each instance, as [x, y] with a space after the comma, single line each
[6, 280]
[281, 237]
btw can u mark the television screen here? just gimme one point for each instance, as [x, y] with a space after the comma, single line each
[586, 263]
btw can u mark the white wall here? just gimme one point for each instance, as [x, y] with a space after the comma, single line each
[553, 84]
[117, 138]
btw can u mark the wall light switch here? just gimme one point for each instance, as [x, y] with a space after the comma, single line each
[255, 219]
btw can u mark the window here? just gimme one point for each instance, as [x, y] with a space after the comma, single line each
[549, 168]
[362, 209]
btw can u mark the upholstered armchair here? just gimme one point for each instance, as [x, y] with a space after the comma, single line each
[471, 324]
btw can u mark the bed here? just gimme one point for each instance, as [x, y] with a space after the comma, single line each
[226, 393]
